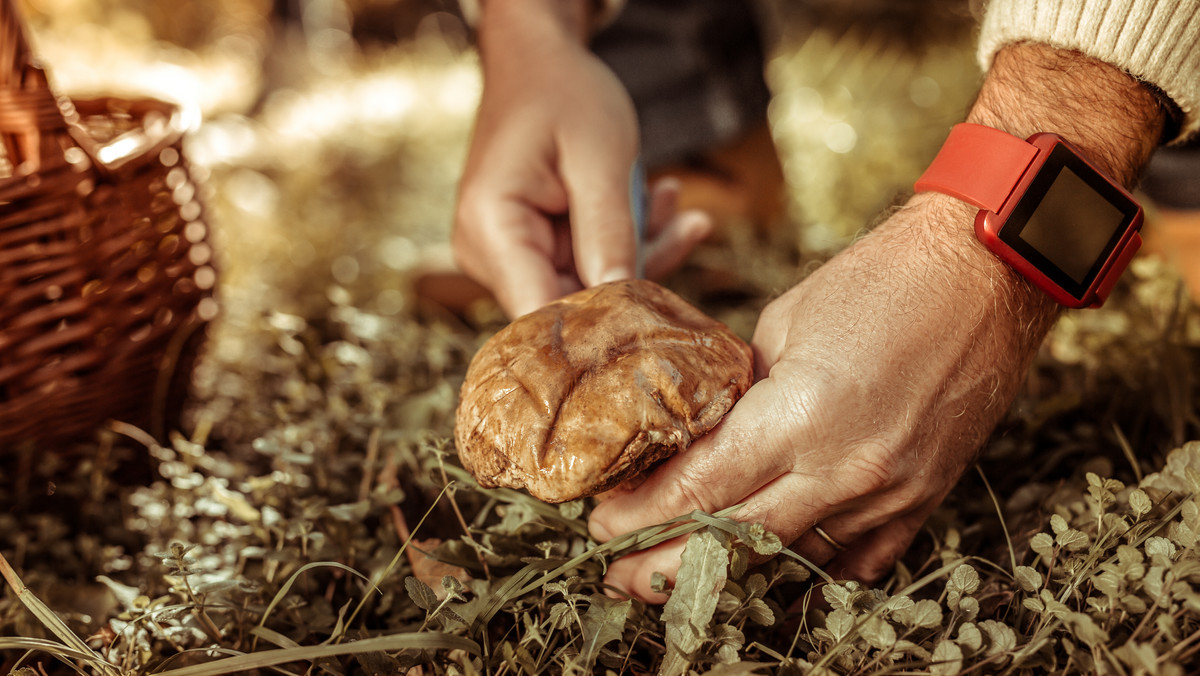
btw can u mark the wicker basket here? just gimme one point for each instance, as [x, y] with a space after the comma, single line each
[105, 273]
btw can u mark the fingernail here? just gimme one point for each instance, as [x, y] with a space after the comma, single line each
[615, 275]
[599, 531]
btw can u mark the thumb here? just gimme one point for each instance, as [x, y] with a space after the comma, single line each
[602, 232]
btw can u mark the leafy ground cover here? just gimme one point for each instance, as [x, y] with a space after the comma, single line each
[311, 517]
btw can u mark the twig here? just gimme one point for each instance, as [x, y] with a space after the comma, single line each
[1012, 554]
[463, 522]
[364, 489]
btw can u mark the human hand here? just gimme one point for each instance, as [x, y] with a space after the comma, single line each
[883, 372]
[543, 207]
[881, 375]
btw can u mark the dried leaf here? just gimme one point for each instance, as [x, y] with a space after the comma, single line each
[603, 623]
[688, 612]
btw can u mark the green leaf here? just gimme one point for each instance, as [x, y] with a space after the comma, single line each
[559, 614]
[1073, 540]
[792, 571]
[759, 612]
[1107, 582]
[1029, 579]
[838, 596]
[1058, 524]
[969, 636]
[740, 562]
[1160, 546]
[762, 541]
[1139, 656]
[964, 580]
[1043, 544]
[968, 607]
[603, 623]
[756, 585]
[878, 632]
[923, 613]
[453, 588]
[1001, 637]
[354, 512]
[571, 510]
[736, 591]
[947, 659]
[839, 623]
[420, 593]
[1085, 629]
[688, 612]
[1139, 502]
[729, 641]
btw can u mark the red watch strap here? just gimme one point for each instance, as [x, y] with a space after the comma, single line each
[979, 165]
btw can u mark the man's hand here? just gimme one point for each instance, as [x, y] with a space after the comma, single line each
[884, 372]
[544, 208]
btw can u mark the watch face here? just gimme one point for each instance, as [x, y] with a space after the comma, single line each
[1069, 221]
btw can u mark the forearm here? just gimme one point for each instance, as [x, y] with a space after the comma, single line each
[1030, 88]
[504, 20]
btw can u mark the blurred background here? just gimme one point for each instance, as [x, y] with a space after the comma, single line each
[333, 133]
[334, 130]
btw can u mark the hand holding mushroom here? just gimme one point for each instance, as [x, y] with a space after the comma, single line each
[555, 133]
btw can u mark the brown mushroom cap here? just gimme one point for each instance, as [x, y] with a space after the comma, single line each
[592, 389]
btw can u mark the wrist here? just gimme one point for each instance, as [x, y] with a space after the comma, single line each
[1115, 120]
[944, 228]
[570, 20]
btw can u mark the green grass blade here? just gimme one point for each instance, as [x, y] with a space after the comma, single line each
[53, 622]
[45, 646]
[287, 586]
[269, 658]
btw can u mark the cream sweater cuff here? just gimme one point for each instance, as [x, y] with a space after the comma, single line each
[1156, 42]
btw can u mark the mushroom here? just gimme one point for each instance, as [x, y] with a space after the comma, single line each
[575, 398]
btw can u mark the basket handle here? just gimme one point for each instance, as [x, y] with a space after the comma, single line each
[30, 119]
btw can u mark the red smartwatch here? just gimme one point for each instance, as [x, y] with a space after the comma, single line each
[1044, 209]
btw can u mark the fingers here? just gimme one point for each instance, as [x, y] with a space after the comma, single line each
[714, 472]
[863, 555]
[509, 248]
[597, 180]
[632, 574]
[873, 554]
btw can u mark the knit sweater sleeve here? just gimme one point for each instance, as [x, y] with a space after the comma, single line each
[1157, 42]
[607, 10]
